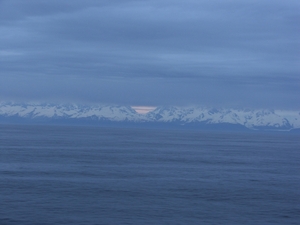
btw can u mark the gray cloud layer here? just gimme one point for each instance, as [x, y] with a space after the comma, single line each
[217, 53]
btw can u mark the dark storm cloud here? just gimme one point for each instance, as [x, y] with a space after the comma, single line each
[239, 53]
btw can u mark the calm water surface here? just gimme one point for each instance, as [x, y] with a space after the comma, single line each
[87, 175]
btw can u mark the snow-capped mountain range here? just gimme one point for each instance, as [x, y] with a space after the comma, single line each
[252, 119]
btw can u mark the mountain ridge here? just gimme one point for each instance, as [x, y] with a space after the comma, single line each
[258, 119]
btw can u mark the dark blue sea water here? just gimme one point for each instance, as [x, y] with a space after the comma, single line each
[87, 175]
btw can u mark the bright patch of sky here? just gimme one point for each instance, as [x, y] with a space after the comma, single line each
[143, 109]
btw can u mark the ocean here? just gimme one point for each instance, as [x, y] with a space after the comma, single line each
[93, 175]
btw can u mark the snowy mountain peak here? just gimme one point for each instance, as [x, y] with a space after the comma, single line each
[253, 119]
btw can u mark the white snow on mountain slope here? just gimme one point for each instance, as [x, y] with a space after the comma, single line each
[248, 118]
[183, 115]
[114, 113]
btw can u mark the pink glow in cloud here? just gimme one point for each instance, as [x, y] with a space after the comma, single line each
[143, 109]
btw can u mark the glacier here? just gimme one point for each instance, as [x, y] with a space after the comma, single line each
[255, 119]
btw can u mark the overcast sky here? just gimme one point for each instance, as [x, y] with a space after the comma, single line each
[233, 53]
